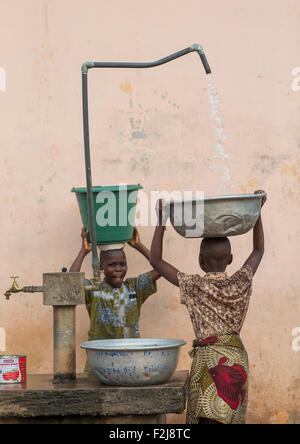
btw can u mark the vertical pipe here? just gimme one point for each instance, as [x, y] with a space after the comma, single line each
[205, 62]
[95, 259]
[64, 342]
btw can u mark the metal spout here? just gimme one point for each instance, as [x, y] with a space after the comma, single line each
[14, 288]
[200, 50]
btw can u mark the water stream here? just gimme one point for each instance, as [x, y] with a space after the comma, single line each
[222, 159]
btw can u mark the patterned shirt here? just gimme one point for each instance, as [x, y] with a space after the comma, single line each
[115, 312]
[217, 304]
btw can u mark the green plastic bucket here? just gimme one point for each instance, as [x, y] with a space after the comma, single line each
[114, 211]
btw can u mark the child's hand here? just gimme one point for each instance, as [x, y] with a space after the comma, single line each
[263, 201]
[135, 238]
[162, 212]
[86, 246]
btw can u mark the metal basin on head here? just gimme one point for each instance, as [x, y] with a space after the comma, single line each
[216, 216]
[133, 361]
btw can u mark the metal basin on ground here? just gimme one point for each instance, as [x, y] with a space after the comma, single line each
[216, 216]
[133, 362]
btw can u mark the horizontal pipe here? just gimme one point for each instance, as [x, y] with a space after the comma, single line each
[32, 289]
[137, 64]
[87, 65]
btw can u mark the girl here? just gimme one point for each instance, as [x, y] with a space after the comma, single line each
[217, 305]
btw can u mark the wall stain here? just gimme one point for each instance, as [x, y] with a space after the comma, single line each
[52, 152]
[165, 97]
[267, 164]
[291, 170]
[291, 175]
[138, 135]
[141, 163]
[126, 87]
[249, 186]
[137, 130]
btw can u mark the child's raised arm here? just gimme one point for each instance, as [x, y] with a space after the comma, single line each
[85, 249]
[258, 242]
[136, 243]
[166, 270]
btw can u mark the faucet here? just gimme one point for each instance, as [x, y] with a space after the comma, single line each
[16, 289]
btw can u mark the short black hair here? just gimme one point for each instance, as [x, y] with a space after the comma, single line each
[215, 254]
[215, 246]
[104, 255]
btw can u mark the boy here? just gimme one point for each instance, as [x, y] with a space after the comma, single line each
[114, 309]
[217, 305]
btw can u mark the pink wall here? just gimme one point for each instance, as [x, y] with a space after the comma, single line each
[253, 48]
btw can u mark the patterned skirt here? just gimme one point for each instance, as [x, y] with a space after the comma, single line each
[218, 387]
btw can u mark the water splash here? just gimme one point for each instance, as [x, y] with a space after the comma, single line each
[222, 158]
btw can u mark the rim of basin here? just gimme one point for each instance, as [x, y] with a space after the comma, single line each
[221, 197]
[132, 344]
